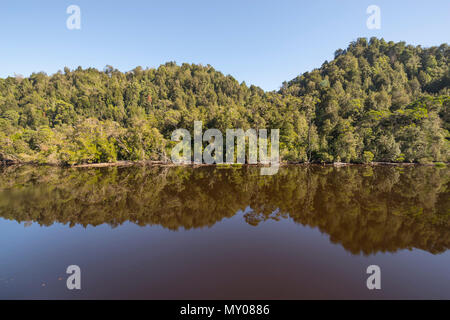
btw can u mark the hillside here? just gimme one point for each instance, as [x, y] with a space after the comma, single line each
[386, 98]
[375, 101]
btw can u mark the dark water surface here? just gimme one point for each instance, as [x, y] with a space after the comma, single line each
[211, 233]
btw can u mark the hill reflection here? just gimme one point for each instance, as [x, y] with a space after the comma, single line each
[364, 209]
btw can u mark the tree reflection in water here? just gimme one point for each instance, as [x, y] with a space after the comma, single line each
[365, 209]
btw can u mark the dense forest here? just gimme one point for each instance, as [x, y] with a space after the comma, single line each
[365, 209]
[375, 101]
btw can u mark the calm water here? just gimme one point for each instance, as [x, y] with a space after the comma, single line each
[210, 233]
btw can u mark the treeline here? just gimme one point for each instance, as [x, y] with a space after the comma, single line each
[363, 208]
[376, 101]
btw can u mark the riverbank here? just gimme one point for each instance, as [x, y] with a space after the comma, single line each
[171, 164]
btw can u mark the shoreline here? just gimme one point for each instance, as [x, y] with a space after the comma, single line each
[171, 164]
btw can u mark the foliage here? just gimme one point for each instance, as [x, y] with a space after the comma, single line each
[386, 98]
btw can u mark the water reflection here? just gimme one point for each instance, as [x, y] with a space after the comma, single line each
[365, 209]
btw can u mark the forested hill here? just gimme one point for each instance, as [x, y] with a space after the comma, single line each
[389, 99]
[376, 100]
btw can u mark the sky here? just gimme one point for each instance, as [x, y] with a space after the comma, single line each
[257, 41]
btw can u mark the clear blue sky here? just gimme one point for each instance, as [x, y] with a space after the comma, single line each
[256, 41]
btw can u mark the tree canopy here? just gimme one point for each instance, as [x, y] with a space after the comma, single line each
[375, 101]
